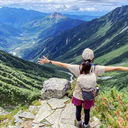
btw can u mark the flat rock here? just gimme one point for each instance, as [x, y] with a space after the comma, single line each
[57, 103]
[65, 126]
[43, 113]
[3, 112]
[27, 115]
[17, 119]
[95, 123]
[54, 119]
[31, 108]
[68, 115]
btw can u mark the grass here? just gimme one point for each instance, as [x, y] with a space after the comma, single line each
[7, 119]
[109, 56]
[36, 103]
[104, 29]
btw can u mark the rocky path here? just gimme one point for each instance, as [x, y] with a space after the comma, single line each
[56, 111]
[53, 113]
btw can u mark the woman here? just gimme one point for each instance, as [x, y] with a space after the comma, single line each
[87, 66]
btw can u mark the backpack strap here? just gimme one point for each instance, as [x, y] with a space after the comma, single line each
[93, 68]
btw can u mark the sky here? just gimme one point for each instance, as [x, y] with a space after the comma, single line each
[66, 6]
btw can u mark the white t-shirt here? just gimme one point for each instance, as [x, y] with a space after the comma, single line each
[75, 69]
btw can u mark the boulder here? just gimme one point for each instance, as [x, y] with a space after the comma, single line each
[55, 88]
[27, 115]
[3, 112]
[95, 123]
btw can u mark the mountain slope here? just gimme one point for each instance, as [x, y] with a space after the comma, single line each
[36, 31]
[81, 17]
[50, 25]
[105, 34]
[8, 36]
[21, 81]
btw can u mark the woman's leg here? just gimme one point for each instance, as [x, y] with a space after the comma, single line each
[78, 116]
[87, 116]
[78, 112]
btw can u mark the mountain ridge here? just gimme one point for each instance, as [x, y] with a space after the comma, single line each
[16, 17]
[97, 34]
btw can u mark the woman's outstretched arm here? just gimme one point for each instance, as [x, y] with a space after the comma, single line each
[110, 68]
[45, 60]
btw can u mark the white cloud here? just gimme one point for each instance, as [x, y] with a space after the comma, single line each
[65, 5]
[88, 9]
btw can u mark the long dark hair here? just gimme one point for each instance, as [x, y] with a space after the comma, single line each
[86, 66]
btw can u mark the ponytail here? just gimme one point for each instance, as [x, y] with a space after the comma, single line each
[86, 66]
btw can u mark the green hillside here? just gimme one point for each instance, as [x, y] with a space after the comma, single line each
[21, 81]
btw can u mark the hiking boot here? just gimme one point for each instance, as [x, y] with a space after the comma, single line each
[79, 124]
[85, 125]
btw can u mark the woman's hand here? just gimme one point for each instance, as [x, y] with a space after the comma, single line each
[43, 61]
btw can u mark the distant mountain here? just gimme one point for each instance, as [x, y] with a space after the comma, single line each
[56, 15]
[81, 17]
[17, 17]
[58, 23]
[21, 81]
[22, 30]
[36, 31]
[106, 35]
[50, 25]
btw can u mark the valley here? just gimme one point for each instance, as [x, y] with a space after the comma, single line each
[26, 35]
[63, 39]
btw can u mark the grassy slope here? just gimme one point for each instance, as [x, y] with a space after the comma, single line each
[21, 81]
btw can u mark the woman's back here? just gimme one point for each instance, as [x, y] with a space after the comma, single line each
[87, 81]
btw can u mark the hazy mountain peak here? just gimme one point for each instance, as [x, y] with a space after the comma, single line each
[122, 10]
[56, 15]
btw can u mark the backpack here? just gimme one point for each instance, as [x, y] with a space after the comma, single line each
[87, 83]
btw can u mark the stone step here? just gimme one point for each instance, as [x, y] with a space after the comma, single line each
[55, 113]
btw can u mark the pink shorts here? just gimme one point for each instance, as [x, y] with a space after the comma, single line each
[86, 103]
